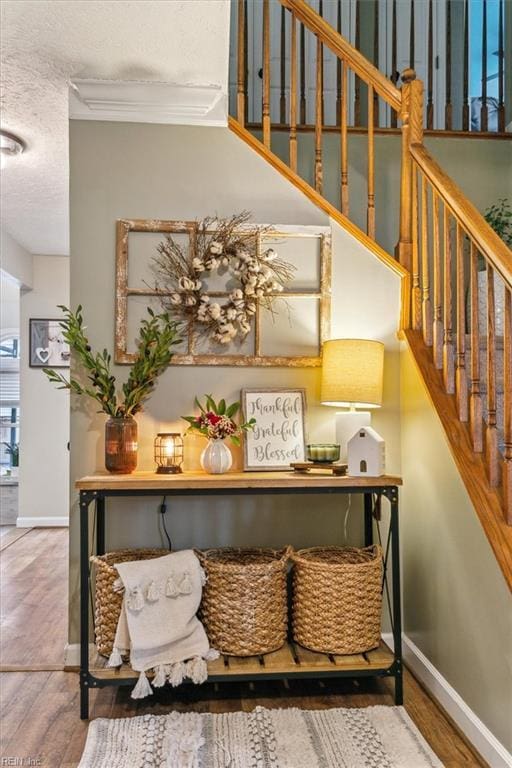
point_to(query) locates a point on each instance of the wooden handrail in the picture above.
(488, 243)
(342, 48)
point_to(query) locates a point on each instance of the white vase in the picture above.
(216, 457)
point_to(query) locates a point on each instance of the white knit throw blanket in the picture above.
(158, 623)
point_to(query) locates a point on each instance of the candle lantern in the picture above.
(168, 452)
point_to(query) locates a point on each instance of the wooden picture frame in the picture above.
(47, 347)
(279, 437)
(321, 294)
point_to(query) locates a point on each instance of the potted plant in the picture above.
(499, 217)
(216, 422)
(13, 451)
(157, 334)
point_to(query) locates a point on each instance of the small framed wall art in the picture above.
(47, 346)
(279, 436)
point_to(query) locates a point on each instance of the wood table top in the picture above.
(140, 481)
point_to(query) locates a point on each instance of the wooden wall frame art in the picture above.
(191, 355)
(279, 436)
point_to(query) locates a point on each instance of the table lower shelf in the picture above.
(292, 660)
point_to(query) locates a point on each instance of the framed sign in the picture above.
(279, 436)
(47, 347)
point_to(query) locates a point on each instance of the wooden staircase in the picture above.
(448, 315)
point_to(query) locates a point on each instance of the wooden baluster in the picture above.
(475, 397)
(321, 52)
(448, 104)
(266, 74)
(344, 147)
(461, 381)
(282, 69)
(501, 76)
(426, 307)
(293, 95)
(484, 113)
(437, 329)
(302, 69)
(416, 290)
(491, 431)
(357, 80)
(465, 75)
(370, 215)
(318, 117)
(448, 354)
(394, 60)
(375, 60)
(241, 65)
(411, 36)
(507, 404)
(412, 133)
(338, 68)
(246, 59)
(430, 69)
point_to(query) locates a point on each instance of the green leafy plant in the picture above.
(216, 420)
(499, 217)
(157, 335)
(13, 450)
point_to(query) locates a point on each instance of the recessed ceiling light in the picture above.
(10, 145)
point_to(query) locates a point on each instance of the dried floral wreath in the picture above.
(226, 247)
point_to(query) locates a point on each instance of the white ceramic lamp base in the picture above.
(347, 424)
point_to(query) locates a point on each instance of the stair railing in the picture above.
(444, 242)
(461, 303)
(351, 64)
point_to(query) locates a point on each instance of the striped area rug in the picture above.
(373, 737)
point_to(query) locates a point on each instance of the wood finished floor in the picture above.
(40, 708)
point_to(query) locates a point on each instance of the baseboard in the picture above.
(42, 522)
(484, 742)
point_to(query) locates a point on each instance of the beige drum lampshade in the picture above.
(352, 372)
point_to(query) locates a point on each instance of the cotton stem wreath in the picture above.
(228, 247)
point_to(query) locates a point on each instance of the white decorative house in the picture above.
(366, 454)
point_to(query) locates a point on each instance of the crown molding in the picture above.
(147, 102)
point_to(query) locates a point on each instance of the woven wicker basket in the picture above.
(107, 603)
(337, 598)
(244, 605)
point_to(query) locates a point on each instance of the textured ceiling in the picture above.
(45, 44)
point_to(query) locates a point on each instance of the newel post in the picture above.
(411, 116)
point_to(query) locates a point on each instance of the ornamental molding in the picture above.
(147, 102)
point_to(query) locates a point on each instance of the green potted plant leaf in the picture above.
(157, 335)
(13, 451)
(499, 217)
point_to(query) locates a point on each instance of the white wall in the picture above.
(15, 260)
(44, 429)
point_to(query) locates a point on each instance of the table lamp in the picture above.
(352, 371)
(168, 450)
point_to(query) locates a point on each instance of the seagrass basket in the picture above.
(107, 602)
(244, 604)
(337, 598)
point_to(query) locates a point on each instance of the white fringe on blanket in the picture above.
(158, 625)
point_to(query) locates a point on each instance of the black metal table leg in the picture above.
(85, 500)
(100, 525)
(368, 520)
(397, 610)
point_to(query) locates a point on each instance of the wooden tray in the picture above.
(332, 467)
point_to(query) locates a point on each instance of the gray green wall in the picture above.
(481, 167)
(457, 606)
(121, 170)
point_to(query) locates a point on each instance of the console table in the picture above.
(292, 660)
